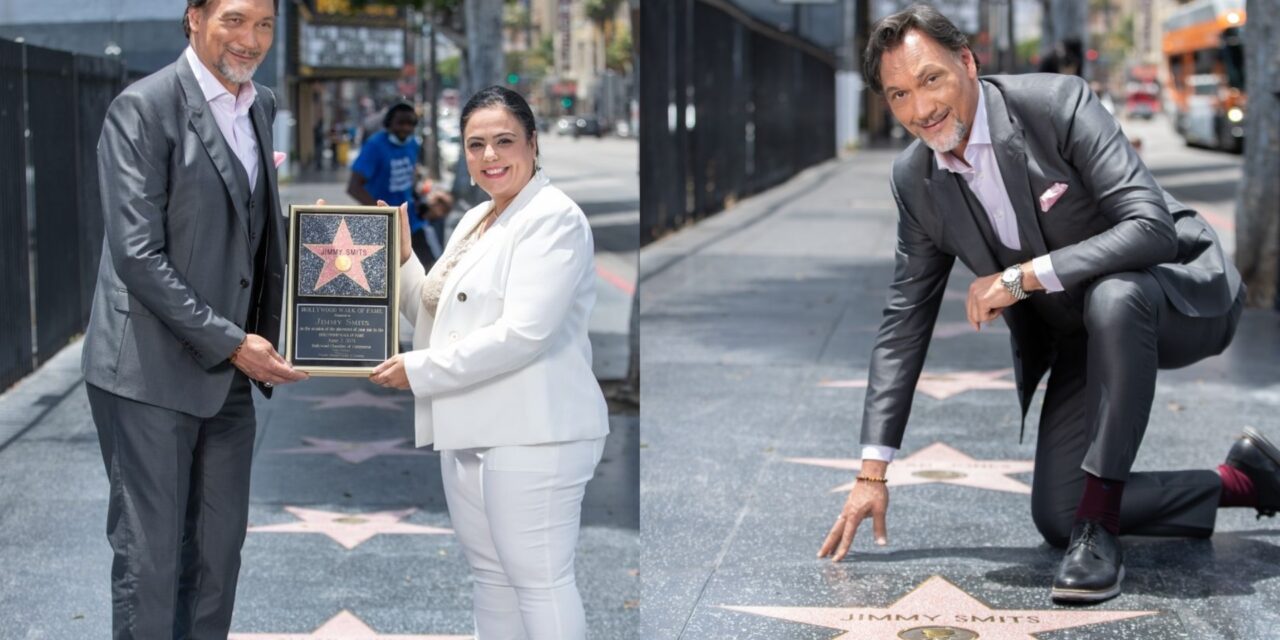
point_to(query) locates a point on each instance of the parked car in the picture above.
(587, 126)
(1142, 100)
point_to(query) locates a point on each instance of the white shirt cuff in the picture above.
(878, 452)
(1043, 266)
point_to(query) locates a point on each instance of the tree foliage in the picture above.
(620, 55)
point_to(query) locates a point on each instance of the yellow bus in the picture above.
(1204, 50)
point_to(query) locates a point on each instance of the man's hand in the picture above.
(987, 300)
(391, 374)
(988, 297)
(865, 499)
(406, 241)
(259, 360)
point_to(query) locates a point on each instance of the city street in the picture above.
(349, 535)
(758, 325)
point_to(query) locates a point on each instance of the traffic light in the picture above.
(567, 102)
(513, 78)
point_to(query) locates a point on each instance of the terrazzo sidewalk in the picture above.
(757, 327)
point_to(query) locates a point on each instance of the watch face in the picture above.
(1010, 276)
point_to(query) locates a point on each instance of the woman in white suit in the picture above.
(501, 372)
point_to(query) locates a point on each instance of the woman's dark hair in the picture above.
(890, 31)
(199, 4)
(393, 110)
(498, 96)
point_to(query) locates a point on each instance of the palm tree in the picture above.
(601, 12)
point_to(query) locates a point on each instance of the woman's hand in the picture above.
(391, 374)
(406, 241)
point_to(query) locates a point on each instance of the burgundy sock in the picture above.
(1237, 488)
(1101, 502)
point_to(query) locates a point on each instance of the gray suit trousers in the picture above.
(178, 512)
(1098, 402)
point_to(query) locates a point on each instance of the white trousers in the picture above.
(516, 512)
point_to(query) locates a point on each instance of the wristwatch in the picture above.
(1012, 281)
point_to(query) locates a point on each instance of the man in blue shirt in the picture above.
(386, 170)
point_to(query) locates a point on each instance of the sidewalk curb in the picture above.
(666, 252)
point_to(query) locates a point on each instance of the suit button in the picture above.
(244, 284)
(462, 297)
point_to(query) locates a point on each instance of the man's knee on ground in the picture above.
(1053, 524)
(1117, 299)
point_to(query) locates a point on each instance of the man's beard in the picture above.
(234, 73)
(946, 144)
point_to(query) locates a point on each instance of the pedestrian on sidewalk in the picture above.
(501, 371)
(1101, 276)
(386, 171)
(185, 315)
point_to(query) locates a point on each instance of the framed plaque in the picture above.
(342, 305)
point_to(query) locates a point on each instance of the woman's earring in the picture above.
(473, 181)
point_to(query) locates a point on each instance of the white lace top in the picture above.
(434, 284)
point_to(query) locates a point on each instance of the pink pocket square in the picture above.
(279, 158)
(1051, 196)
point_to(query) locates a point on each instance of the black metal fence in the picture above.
(729, 107)
(52, 104)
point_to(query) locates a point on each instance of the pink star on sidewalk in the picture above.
(944, 330)
(939, 609)
(942, 385)
(350, 529)
(344, 626)
(939, 463)
(357, 451)
(357, 398)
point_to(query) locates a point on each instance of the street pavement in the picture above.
(758, 325)
(349, 533)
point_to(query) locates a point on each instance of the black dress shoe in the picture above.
(1260, 460)
(1093, 567)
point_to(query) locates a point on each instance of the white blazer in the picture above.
(506, 360)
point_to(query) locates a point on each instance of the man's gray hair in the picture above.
(891, 30)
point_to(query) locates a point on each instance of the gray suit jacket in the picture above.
(1045, 129)
(177, 279)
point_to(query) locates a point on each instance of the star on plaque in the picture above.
(357, 398)
(344, 626)
(943, 385)
(343, 257)
(356, 452)
(942, 464)
(939, 609)
(350, 529)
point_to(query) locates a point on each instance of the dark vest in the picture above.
(1061, 311)
(257, 204)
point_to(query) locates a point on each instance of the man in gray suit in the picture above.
(186, 314)
(1101, 276)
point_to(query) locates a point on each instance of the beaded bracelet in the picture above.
(870, 479)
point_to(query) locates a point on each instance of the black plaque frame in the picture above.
(305, 353)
